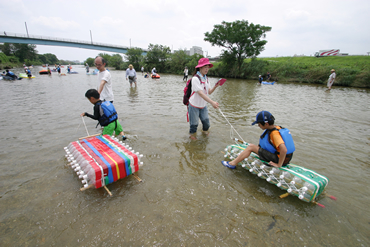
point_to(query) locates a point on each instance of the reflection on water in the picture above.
(187, 197)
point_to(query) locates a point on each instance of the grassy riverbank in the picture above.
(352, 71)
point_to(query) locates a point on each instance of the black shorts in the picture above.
(268, 156)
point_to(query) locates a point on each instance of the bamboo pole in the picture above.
(88, 136)
(135, 176)
(88, 187)
(105, 187)
(284, 195)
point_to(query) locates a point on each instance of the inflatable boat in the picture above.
(72, 72)
(304, 183)
(268, 83)
(100, 160)
(43, 72)
(156, 76)
(24, 75)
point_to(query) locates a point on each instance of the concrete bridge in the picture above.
(6, 37)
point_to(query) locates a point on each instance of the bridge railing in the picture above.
(25, 36)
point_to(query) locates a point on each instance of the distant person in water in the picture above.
(131, 75)
(260, 79)
(186, 73)
(105, 88)
(154, 71)
(87, 68)
(268, 76)
(331, 79)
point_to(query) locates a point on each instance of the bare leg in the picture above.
(245, 154)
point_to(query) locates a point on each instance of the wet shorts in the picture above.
(112, 127)
(268, 156)
(131, 79)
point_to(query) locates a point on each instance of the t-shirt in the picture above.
(276, 139)
(332, 76)
(107, 92)
(130, 72)
(196, 85)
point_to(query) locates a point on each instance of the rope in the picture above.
(232, 128)
(85, 126)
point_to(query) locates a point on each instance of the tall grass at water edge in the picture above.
(351, 71)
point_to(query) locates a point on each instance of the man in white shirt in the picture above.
(104, 80)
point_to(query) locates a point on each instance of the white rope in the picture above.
(85, 126)
(232, 128)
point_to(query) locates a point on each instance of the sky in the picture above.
(298, 27)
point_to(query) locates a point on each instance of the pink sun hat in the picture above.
(203, 62)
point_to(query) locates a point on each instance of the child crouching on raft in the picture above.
(105, 113)
(276, 145)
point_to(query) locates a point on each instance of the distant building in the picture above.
(192, 51)
(196, 50)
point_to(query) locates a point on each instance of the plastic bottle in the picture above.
(286, 176)
(308, 188)
(297, 182)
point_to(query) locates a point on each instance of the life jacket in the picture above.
(187, 91)
(265, 140)
(108, 113)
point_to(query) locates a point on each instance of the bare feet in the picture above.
(193, 137)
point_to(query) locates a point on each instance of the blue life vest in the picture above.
(108, 113)
(266, 144)
(11, 73)
(28, 72)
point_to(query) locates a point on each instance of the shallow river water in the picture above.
(186, 197)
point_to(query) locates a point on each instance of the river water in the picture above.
(186, 197)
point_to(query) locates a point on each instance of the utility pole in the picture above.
(130, 43)
(91, 37)
(25, 23)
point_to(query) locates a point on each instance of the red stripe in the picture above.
(104, 151)
(125, 150)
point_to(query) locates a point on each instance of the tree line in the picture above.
(239, 40)
(15, 55)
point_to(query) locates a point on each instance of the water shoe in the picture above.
(226, 163)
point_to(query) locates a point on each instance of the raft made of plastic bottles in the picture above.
(101, 160)
(304, 183)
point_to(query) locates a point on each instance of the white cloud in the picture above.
(297, 27)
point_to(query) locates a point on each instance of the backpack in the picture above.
(187, 91)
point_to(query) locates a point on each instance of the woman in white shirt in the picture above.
(199, 98)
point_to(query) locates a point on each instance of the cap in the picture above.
(333, 70)
(263, 117)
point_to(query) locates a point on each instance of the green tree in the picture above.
(7, 49)
(90, 61)
(157, 57)
(21, 51)
(116, 61)
(134, 56)
(240, 40)
(25, 51)
(178, 61)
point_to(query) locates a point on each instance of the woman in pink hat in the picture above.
(201, 88)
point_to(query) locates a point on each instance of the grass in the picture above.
(351, 71)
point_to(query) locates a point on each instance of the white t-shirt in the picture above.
(186, 71)
(195, 99)
(107, 92)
